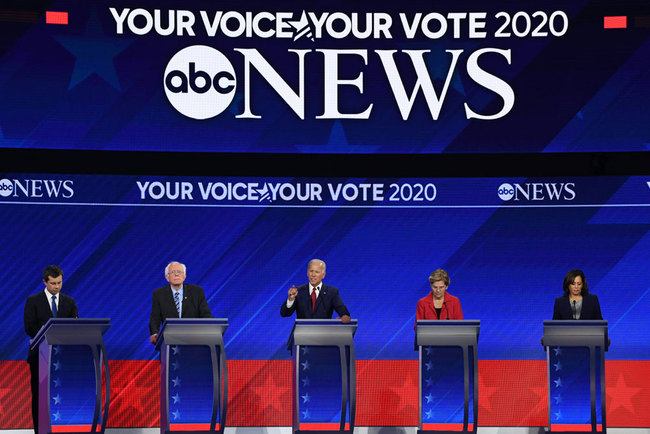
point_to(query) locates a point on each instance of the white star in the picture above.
(177, 414)
(427, 350)
(558, 399)
(429, 414)
(558, 415)
(176, 381)
(305, 349)
(557, 350)
(57, 350)
(57, 415)
(429, 365)
(175, 349)
(306, 414)
(558, 382)
(175, 365)
(558, 366)
(305, 365)
(57, 382)
(429, 398)
(305, 381)
(57, 399)
(57, 365)
(176, 398)
(306, 398)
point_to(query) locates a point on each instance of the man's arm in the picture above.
(204, 308)
(340, 308)
(155, 318)
(30, 318)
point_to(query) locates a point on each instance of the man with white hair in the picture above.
(315, 299)
(176, 300)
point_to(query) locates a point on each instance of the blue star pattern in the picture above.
(72, 385)
(443, 386)
(569, 394)
(318, 383)
(190, 384)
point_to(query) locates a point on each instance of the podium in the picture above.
(73, 367)
(448, 366)
(193, 375)
(575, 355)
(323, 359)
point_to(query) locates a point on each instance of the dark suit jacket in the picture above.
(327, 302)
(38, 312)
(590, 308)
(163, 306)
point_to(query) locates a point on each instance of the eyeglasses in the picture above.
(179, 272)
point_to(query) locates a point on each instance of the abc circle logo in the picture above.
(200, 82)
(6, 187)
(506, 191)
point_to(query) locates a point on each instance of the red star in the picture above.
(621, 395)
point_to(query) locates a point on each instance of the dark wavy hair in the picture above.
(51, 271)
(570, 277)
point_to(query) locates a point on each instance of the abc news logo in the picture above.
(192, 90)
(537, 191)
(34, 188)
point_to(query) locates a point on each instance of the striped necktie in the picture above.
(177, 300)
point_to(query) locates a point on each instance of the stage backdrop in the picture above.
(507, 244)
(334, 77)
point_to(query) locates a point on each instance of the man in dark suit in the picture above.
(315, 299)
(176, 300)
(39, 308)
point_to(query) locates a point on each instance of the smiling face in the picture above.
(316, 273)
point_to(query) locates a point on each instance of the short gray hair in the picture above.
(175, 263)
(316, 261)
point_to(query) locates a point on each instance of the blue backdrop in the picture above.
(507, 254)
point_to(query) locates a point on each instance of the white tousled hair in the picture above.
(175, 263)
(316, 261)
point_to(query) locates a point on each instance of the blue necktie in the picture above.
(177, 299)
(54, 310)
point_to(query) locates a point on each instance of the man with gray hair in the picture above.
(176, 300)
(315, 299)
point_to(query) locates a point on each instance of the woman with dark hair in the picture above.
(576, 303)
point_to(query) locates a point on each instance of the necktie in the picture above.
(177, 300)
(54, 309)
(313, 299)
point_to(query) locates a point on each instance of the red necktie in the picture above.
(313, 299)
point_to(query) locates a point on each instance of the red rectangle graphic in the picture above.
(52, 17)
(617, 22)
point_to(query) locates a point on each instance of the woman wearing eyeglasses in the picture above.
(439, 304)
(576, 303)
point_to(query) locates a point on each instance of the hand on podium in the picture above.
(153, 338)
(345, 319)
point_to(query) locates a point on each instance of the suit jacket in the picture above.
(163, 306)
(590, 308)
(327, 302)
(450, 308)
(38, 312)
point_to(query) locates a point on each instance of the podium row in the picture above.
(194, 377)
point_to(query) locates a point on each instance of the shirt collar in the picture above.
(49, 296)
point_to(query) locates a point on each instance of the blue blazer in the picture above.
(590, 308)
(327, 302)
